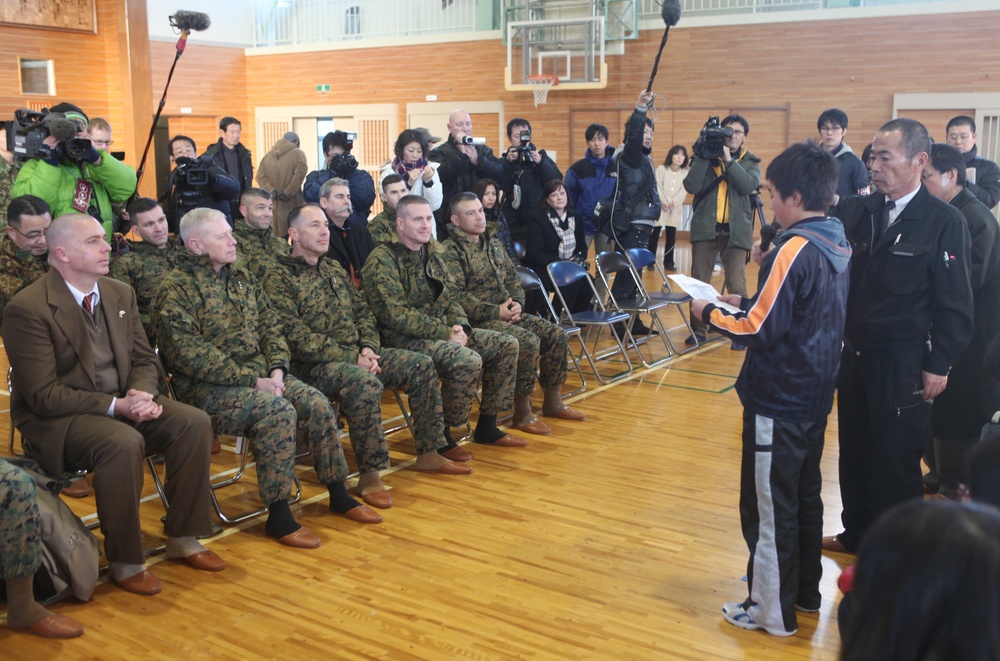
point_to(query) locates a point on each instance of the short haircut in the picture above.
(336, 139)
(596, 129)
(409, 201)
(324, 190)
(61, 228)
(866, 154)
(183, 138)
(405, 138)
(945, 157)
(295, 215)
(915, 138)
(192, 222)
(810, 170)
(458, 198)
(733, 118)
(961, 120)
(389, 180)
(982, 471)
(26, 205)
(517, 121)
(100, 124)
(551, 187)
(141, 205)
(677, 149)
(479, 187)
(254, 192)
(226, 122)
(834, 116)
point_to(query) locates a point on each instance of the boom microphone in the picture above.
(767, 234)
(61, 129)
(186, 22)
(670, 11)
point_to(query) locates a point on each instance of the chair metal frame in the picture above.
(565, 273)
(643, 257)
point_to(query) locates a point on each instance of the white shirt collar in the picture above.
(79, 295)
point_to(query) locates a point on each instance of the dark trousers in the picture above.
(670, 234)
(623, 288)
(781, 513)
(884, 426)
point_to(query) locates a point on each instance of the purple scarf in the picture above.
(403, 169)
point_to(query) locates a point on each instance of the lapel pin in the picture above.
(121, 314)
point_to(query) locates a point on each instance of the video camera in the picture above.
(27, 133)
(344, 164)
(469, 140)
(711, 140)
(524, 151)
(191, 172)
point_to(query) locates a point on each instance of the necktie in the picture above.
(884, 219)
(88, 303)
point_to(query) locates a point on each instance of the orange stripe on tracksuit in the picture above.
(757, 315)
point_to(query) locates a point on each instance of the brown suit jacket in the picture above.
(53, 360)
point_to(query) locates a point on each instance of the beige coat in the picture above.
(282, 171)
(670, 186)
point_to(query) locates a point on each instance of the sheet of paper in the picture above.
(697, 289)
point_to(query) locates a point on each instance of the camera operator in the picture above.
(341, 164)
(463, 159)
(195, 182)
(74, 176)
(723, 178)
(234, 159)
(527, 170)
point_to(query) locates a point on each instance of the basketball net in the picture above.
(540, 86)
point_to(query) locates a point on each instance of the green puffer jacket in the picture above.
(482, 272)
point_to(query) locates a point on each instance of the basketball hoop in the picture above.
(540, 86)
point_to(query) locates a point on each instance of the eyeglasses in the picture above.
(102, 143)
(739, 132)
(30, 236)
(831, 129)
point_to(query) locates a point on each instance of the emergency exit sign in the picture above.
(322, 88)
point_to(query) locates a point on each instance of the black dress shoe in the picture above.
(640, 328)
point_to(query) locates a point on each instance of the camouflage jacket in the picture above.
(216, 327)
(326, 319)
(8, 173)
(382, 226)
(258, 248)
(145, 267)
(483, 274)
(409, 292)
(18, 269)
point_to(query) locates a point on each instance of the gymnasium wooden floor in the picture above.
(617, 538)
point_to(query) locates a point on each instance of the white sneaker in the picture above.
(736, 614)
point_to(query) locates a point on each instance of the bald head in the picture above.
(459, 124)
(65, 229)
(78, 249)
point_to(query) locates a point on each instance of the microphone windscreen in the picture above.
(767, 234)
(190, 21)
(62, 129)
(671, 12)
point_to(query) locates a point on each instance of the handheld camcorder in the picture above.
(711, 140)
(469, 140)
(27, 133)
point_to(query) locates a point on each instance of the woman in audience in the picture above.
(555, 234)
(21, 557)
(488, 193)
(670, 185)
(927, 585)
(411, 164)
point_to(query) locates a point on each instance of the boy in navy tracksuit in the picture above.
(793, 327)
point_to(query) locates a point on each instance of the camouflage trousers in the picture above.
(491, 355)
(272, 421)
(360, 395)
(542, 349)
(20, 538)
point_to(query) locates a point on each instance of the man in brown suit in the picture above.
(85, 397)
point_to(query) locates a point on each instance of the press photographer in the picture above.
(526, 171)
(195, 182)
(62, 166)
(341, 164)
(722, 178)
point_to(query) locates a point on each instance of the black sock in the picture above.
(340, 500)
(280, 521)
(447, 437)
(486, 429)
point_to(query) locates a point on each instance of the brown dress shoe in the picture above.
(379, 498)
(363, 514)
(205, 561)
(77, 489)
(57, 626)
(567, 414)
(301, 539)
(457, 453)
(451, 468)
(536, 426)
(144, 583)
(216, 445)
(833, 545)
(510, 441)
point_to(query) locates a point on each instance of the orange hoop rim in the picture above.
(542, 78)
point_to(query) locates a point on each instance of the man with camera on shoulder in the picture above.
(527, 171)
(341, 164)
(723, 178)
(66, 170)
(195, 182)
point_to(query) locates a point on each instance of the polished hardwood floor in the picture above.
(616, 538)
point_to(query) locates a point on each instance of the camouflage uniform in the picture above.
(8, 173)
(18, 269)
(20, 537)
(144, 268)
(327, 323)
(383, 225)
(409, 292)
(218, 335)
(485, 277)
(258, 248)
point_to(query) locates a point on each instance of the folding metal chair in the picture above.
(641, 258)
(531, 282)
(618, 265)
(564, 274)
(407, 422)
